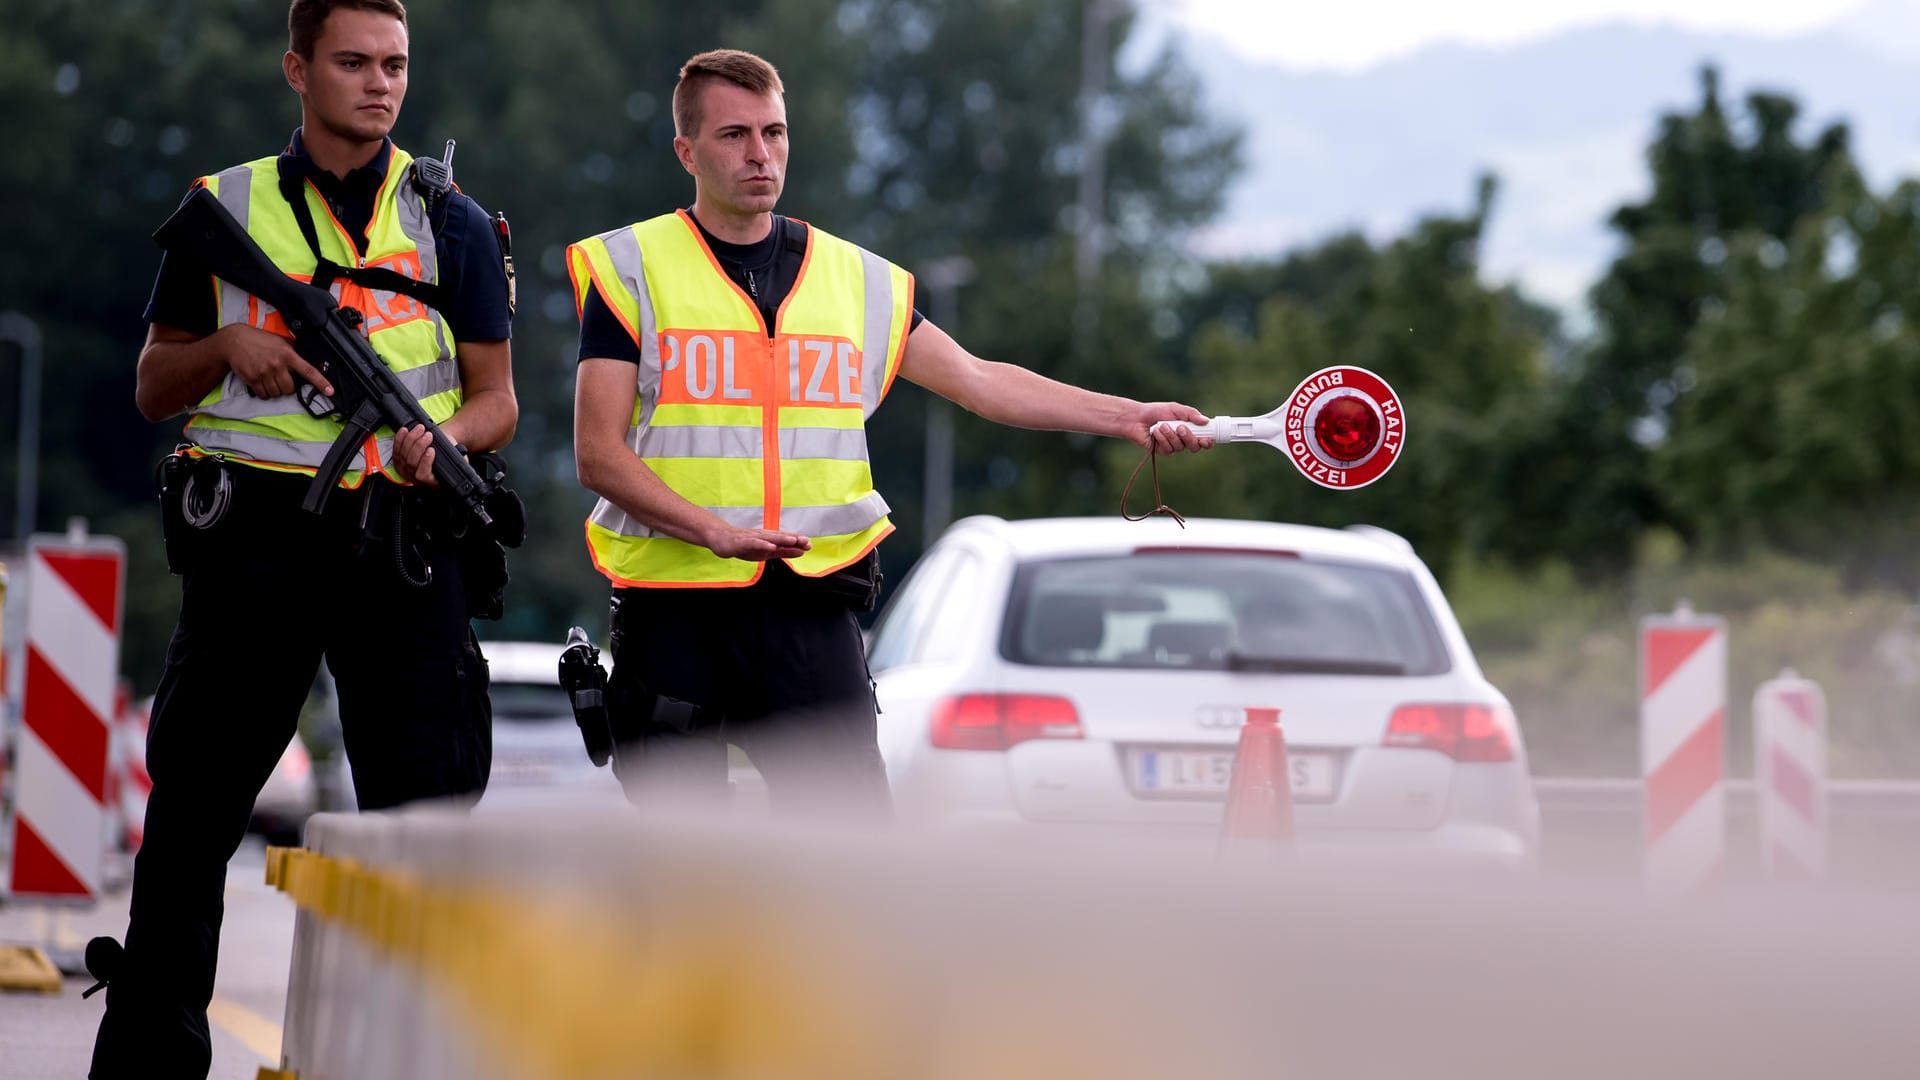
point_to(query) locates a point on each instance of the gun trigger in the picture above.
(318, 405)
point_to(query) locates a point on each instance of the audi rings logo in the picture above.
(1344, 427)
(1219, 717)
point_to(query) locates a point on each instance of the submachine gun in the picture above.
(366, 394)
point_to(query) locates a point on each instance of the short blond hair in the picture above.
(742, 69)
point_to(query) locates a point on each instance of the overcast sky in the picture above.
(1354, 34)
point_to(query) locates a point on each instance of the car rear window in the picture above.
(1221, 611)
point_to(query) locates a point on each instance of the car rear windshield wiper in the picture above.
(1309, 665)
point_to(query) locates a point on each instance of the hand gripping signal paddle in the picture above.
(1342, 427)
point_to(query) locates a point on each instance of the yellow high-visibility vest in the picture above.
(278, 433)
(763, 430)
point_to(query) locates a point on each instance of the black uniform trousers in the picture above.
(270, 590)
(777, 668)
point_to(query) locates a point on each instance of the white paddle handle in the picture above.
(1205, 430)
(1266, 429)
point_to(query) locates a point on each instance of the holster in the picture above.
(483, 574)
(483, 555)
(585, 682)
(858, 585)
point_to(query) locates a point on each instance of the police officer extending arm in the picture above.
(729, 359)
(376, 584)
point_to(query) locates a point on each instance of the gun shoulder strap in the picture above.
(432, 294)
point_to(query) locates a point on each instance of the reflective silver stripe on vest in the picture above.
(700, 442)
(436, 378)
(414, 222)
(611, 517)
(419, 229)
(440, 332)
(837, 520)
(238, 403)
(279, 451)
(623, 251)
(235, 194)
(874, 351)
(840, 444)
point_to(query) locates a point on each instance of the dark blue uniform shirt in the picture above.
(469, 256)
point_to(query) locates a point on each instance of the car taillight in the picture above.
(997, 721)
(1462, 732)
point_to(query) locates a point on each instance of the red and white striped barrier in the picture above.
(72, 661)
(1790, 773)
(1683, 709)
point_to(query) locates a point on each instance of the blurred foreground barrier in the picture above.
(1593, 827)
(1790, 767)
(583, 946)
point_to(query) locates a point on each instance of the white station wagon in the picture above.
(1093, 674)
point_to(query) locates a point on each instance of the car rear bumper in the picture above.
(1464, 844)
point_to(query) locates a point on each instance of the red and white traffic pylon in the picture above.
(1683, 708)
(1790, 776)
(72, 660)
(1259, 814)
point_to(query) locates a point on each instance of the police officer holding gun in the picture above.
(382, 582)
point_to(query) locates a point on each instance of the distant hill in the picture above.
(1563, 121)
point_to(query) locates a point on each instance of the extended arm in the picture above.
(1013, 395)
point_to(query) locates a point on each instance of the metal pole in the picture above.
(24, 332)
(943, 278)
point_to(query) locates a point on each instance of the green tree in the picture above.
(1715, 179)
(1799, 425)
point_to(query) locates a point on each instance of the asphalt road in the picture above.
(51, 1036)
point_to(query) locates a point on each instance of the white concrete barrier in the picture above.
(581, 945)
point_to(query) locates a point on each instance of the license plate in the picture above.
(512, 768)
(1206, 774)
